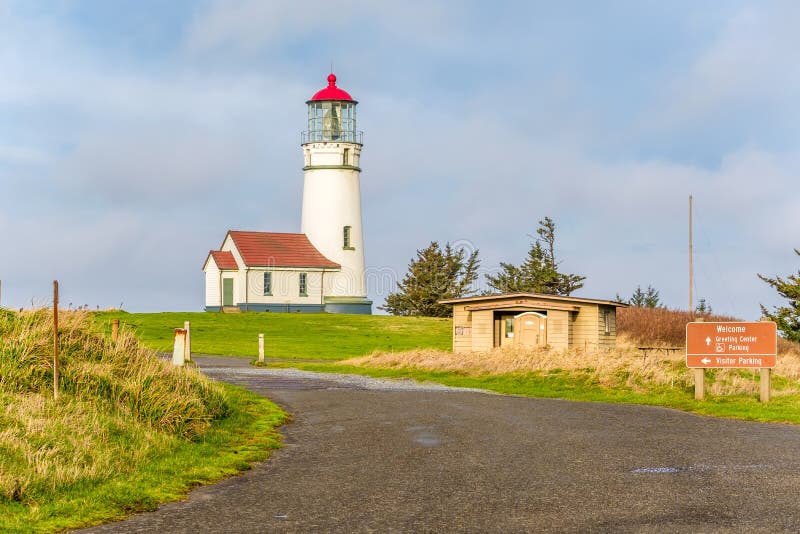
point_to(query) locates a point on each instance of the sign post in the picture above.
(733, 345)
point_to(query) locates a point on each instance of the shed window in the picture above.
(303, 284)
(509, 327)
(268, 283)
(607, 322)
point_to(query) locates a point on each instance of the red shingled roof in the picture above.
(224, 260)
(267, 249)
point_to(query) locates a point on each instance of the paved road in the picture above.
(370, 456)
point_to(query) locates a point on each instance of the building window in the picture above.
(347, 242)
(509, 327)
(303, 284)
(346, 157)
(607, 322)
(267, 283)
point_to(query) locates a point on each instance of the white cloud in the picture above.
(250, 26)
(26, 155)
(750, 63)
(107, 145)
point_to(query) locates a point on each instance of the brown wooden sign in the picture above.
(732, 345)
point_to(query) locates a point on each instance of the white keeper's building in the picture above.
(320, 269)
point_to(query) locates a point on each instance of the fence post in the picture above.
(188, 353)
(261, 348)
(179, 348)
(55, 339)
(114, 330)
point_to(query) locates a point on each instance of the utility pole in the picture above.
(691, 266)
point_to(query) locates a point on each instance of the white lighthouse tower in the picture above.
(332, 196)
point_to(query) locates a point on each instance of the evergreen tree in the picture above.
(539, 272)
(786, 317)
(648, 298)
(434, 275)
(703, 308)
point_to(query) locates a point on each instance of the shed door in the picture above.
(531, 329)
(227, 291)
(506, 330)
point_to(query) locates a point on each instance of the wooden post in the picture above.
(765, 384)
(179, 347)
(188, 353)
(699, 383)
(114, 330)
(55, 339)
(260, 348)
(699, 374)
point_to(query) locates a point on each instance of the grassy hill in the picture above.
(127, 431)
(291, 336)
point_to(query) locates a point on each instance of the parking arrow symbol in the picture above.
(705, 361)
(708, 342)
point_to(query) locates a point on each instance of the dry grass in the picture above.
(658, 326)
(118, 404)
(624, 366)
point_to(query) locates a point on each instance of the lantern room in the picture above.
(332, 116)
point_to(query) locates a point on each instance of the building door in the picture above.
(506, 330)
(530, 329)
(227, 291)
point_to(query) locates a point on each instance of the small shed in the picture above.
(532, 320)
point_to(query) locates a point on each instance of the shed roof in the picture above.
(271, 249)
(538, 296)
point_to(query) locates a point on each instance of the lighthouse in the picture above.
(331, 217)
(320, 269)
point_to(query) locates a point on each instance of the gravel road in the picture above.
(365, 455)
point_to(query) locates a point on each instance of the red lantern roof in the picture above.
(332, 92)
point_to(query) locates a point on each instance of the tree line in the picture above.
(439, 273)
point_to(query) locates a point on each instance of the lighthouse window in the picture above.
(267, 283)
(346, 157)
(303, 284)
(347, 243)
(331, 121)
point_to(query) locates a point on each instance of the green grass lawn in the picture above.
(292, 336)
(337, 337)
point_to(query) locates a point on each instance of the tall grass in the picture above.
(118, 404)
(625, 366)
(658, 326)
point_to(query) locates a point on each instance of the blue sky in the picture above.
(134, 134)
